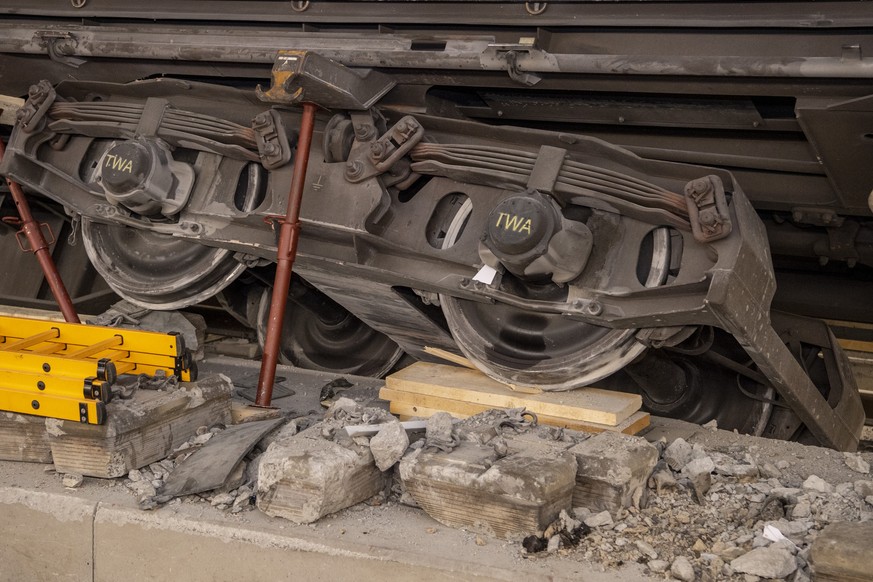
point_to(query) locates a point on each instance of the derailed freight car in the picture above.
(565, 192)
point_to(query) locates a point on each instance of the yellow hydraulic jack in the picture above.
(66, 370)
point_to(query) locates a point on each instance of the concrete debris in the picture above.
(141, 430)
(388, 445)
(611, 470)
(73, 480)
(602, 519)
(863, 489)
(816, 483)
(658, 566)
(678, 454)
(681, 569)
(439, 433)
(564, 532)
(646, 549)
(772, 562)
(856, 463)
(305, 476)
(842, 552)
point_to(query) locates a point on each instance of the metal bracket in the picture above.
(370, 157)
(509, 55)
(271, 137)
(707, 209)
(307, 77)
(59, 46)
(39, 98)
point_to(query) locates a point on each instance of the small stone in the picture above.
(222, 500)
(135, 475)
(711, 425)
(856, 463)
(554, 544)
(581, 513)
(699, 547)
(647, 550)
(769, 471)
(658, 566)
(599, 519)
(802, 509)
(73, 480)
(480, 541)
(678, 454)
(782, 464)
(816, 483)
(388, 445)
(745, 473)
(750, 578)
(142, 489)
(864, 488)
(243, 499)
(682, 569)
(438, 431)
(699, 472)
(201, 439)
(766, 562)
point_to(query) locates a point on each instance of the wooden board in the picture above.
(632, 425)
(590, 405)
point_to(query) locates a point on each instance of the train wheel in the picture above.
(328, 339)
(550, 351)
(155, 270)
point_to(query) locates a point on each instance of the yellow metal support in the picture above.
(66, 370)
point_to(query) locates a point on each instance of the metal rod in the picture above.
(40, 247)
(289, 232)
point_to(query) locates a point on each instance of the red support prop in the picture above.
(288, 234)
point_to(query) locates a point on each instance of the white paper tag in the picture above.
(486, 275)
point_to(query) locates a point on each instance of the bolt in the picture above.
(46, 367)
(261, 119)
(797, 215)
(354, 169)
(823, 261)
(377, 150)
(363, 132)
(827, 218)
(270, 149)
(40, 385)
(35, 405)
(594, 308)
(698, 188)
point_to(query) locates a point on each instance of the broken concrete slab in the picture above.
(210, 466)
(141, 430)
(612, 470)
(515, 494)
(842, 552)
(305, 476)
(23, 437)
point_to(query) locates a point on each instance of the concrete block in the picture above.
(504, 496)
(611, 469)
(141, 430)
(45, 536)
(23, 438)
(842, 552)
(305, 476)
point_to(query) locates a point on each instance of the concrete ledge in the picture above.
(97, 533)
(45, 536)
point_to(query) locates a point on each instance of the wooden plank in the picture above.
(9, 106)
(585, 405)
(449, 357)
(632, 425)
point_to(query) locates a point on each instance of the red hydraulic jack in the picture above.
(289, 232)
(303, 77)
(38, 245)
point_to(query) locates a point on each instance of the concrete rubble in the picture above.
(697, 505)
